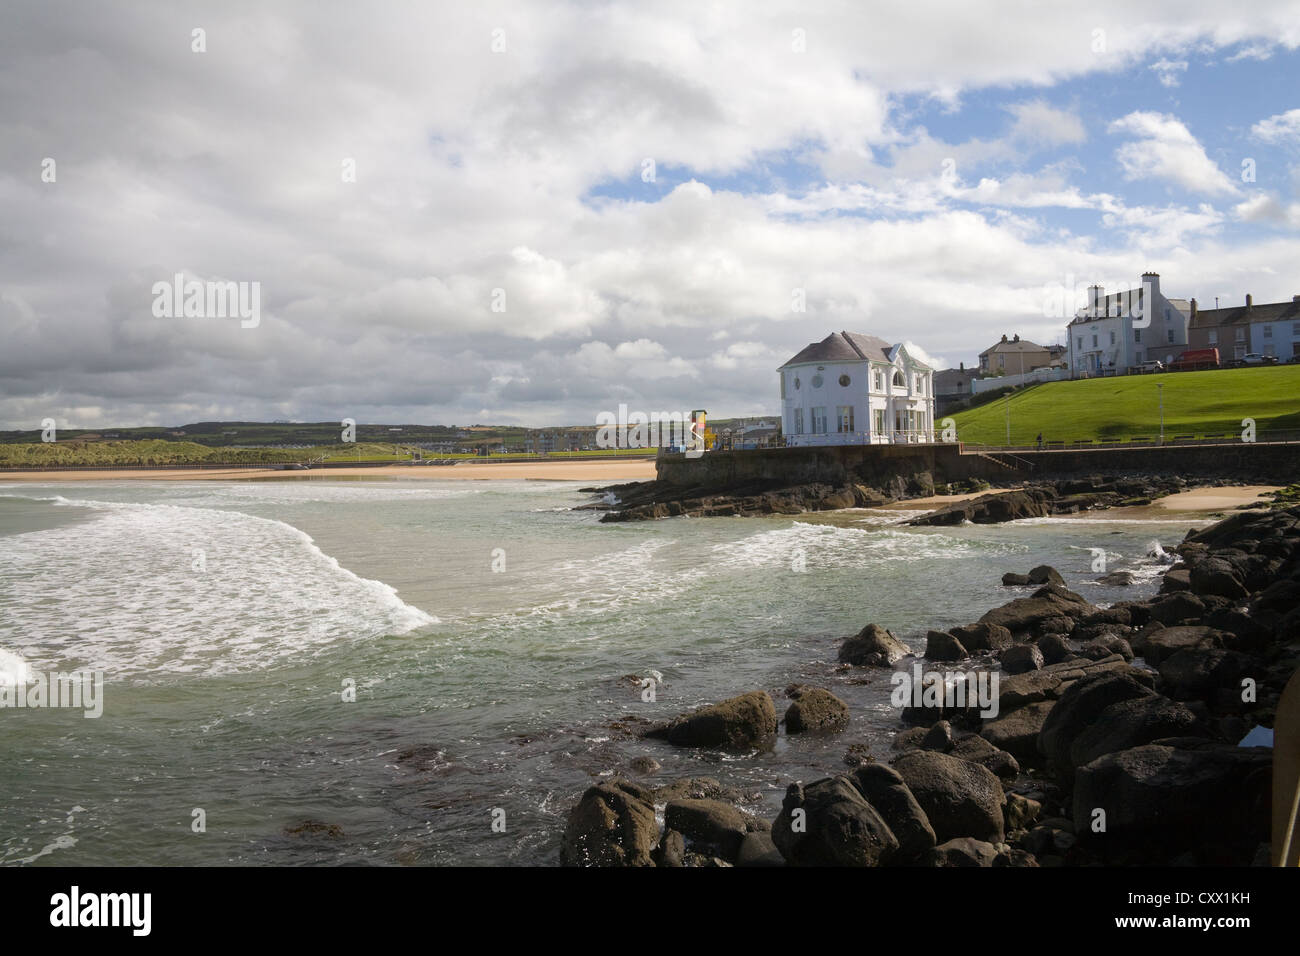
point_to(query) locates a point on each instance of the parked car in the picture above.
(1151, 366)
(1256, 358)
(1194, 359)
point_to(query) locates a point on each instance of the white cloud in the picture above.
(1279, 128)
(1166, 150)
(1169, 72)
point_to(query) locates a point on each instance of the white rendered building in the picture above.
(854, 389)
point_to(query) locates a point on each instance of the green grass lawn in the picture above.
(1124, 407)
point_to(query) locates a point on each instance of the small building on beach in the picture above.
(856, 389)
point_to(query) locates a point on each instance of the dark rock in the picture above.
(1020, 658)
(939, 737)
(991, 509)
(1056, 625)
(1050, 682)
(1132, 723)
(671, 850)
(838, 827)
(884, 788)
(963, 851)
(976, 749)
(645, 765)
(1046, 574)
(757, 849)
(982, 637)
(315, 828)
(712, 826)
(910, 739)
(942, 646)
(815, 709)
(1050, 601)
(873, 646)
(1177, 607)
(1161, 800)
(1080, 706)
(1117, 579)
(612, 825)
(1055, 648)
(1176, 579)
(1166, 642)
(696, 788)
(959, 798)
(1194, 673)
(1017, 732)
(1013, 580)
(1216, 576)
(1106, 645)
(737, 723)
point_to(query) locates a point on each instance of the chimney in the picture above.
(961, 366)
(1017, 338)
(1004, 336)
(1248, 300)
(1194, 307)
(1096, 291)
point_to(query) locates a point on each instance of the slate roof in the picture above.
(1240, 315)
(845, 347)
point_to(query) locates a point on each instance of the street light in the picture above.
(1160, 390)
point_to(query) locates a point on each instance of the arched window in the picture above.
(898, 379)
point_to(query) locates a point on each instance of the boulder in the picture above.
(886, 791)
(1013, 580)
(1021, 658)
(737, 723)
(976, 749)
(757, 849)
(1195, 673)
(1116, 579)
(1177, 607)
(1132, 723)
(838, 827)
(1163, 644)
(991, 509)
(873, 646)
(1050, 682)
(1046, 574)
(1105, 646)
(938, 737)
(1080, 706)
(612, 825)
(1050, 601)
(982, 637)
(815, 709)
(1161, 801)
(1017, 732)
(711, 826)
(1216, 576)
(963, 851)
(1055, 648)
(942, 646)
(671, 850)
(959, 798)
(1176, 579)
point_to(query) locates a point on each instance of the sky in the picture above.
(516, 213)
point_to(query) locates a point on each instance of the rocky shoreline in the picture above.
(650, 500)
(1118, 737)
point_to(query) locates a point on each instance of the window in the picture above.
(1002, 361)
(798, 421)
(1214, 337)
(898, 379)
(844, 419)
(879, 378)
(920, 384)
(796, 383)
(1169, 335)
(1112, 338)
(1295, 328)
(1137, 335)
(819, 420)
(1094, 340)
(1268, 331)
(817, 381)
(783, 385)
(880, 421)
(844, 381)
(1137, 357)
(1081, 341)
(1241, 335)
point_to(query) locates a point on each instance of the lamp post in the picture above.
(1160, 391)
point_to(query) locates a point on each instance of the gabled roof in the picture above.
(1013, 346)
(846, 347)
(1241, 315)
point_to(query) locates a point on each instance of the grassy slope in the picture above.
(1196, 403)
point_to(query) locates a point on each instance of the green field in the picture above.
(1127, 407)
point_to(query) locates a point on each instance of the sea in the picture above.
(397, 673)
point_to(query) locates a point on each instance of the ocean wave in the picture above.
(145, 589)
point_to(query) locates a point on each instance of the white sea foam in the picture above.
(128, 593)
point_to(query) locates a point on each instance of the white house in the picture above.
(854, 389)
(1116, 332)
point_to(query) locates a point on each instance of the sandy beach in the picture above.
(601, 472)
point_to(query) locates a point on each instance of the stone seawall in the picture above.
(878, 465)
